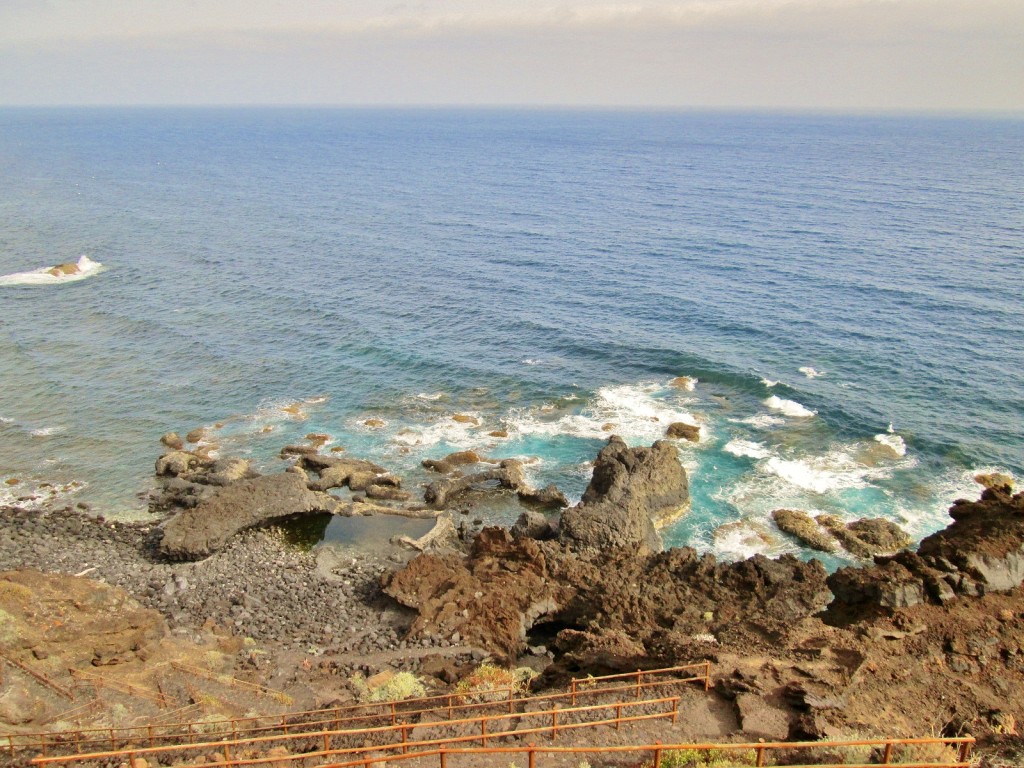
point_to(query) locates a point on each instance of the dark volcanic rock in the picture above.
(802, 526)
(549, 497)
(532, 525)
(506, 586)
(982, 550)
(866, 538)
(633, 491)
(508, 474)
(196, 533)
(452, 461)
(680, 430)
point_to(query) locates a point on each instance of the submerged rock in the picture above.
(632, 493)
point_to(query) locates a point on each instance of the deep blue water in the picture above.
(546, 272)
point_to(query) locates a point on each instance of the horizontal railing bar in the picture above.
(278, 721)
(168, 749)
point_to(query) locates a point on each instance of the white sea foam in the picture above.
(747, 448)
(33, 495)
(46, 431)
(445, 431)
(810, 372)
(789, 407)
(44, 276)
(634, 412)
(745, 538)
(893, 442)
(760, 421)
(685, 383)
(769, 383)
(814, 476)
(530, 361)
(432, 396)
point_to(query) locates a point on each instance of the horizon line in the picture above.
(949, 112)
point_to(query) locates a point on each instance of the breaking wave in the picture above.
(55, 275)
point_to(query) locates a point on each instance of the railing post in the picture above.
(405, 737)
(449, 706)
(10, 744)
(327, 742)
(483, 731)
(638, 686)
(760, 757)
(675, 710)
(657, 756)
(572, 688)
(131, 759)
(965, 751)
(444, 757)
(234, 729)
(707, 676)
(887, 755)
(394, 714)
(554, 723)
(618, 716)
(532, 756)
(227, 753)
(510, 690)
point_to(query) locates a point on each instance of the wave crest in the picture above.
(55, 275)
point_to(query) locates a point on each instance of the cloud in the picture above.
(831, 54)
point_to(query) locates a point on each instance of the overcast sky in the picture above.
(778, 54)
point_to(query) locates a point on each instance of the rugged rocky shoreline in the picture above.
(929, 639)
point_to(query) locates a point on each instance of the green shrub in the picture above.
(706, 758)
(403, 685)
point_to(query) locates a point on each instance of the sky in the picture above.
(830, 55)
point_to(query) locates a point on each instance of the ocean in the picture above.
(836, 301)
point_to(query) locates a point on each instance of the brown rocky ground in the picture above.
(917, 643)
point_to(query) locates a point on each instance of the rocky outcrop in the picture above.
(680, 430)
(867, 537)
(864, 538)
(548, 497)
(532, 525)
(452, 461)
(490, 599)
(196, 533)
(510, 586)
(508, 474)
(981, 551)
(802, 527)
(336, 472)
(632, 493)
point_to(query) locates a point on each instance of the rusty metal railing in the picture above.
(558, 723)
(163, 732)
(650, 755)
(961, 745)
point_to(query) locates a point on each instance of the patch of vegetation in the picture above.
(489, 677)
(403, 685)
(705, 758)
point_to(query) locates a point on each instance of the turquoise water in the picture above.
(281, 272)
